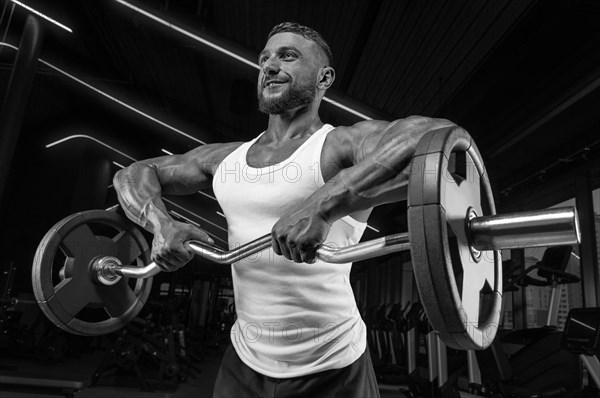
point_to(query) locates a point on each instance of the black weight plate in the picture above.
(460, 291)
(70, 298)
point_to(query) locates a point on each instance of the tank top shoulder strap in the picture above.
(319, 141)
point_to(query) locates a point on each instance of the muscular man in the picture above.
(298, 330)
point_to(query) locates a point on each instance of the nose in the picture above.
(271, 66)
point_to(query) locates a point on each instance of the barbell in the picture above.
(91, 273)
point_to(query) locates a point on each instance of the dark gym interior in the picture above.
(90, 86)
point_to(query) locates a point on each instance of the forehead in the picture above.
(289, 39)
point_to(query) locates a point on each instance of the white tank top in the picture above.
(292, 319)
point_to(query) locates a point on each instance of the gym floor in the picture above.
(83, 368)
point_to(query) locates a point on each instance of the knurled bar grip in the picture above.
(549, 227)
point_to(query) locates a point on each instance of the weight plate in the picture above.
(460, 288)
(62, 282)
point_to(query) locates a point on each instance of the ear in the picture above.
(326, 77)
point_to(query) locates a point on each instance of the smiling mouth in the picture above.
(273, 83)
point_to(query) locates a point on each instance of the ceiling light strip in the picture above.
(71, 137)
(372, 228)
(47, 18)
(207, 195)
(8, 21)
(224, 50)
(118, 101)
(176, 130)
(188, 34)
(346, 108)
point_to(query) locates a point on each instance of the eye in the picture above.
(288, 55)
(262, 60)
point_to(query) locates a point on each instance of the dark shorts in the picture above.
(236, 379)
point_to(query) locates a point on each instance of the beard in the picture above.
(292, 97)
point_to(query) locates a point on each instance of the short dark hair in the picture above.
(307, 33)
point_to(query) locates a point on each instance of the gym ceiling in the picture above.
(141, 78)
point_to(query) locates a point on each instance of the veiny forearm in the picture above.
(380, 177)
(139, 191)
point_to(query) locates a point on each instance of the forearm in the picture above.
(139, 192)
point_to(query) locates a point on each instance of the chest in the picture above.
(264, 155)
(331, 160)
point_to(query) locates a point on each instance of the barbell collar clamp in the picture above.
(105, 270)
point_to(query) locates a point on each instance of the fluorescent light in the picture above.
(118, 101)
(372, 228)
(576, 256)
(118, 165)
(70, 137)
(47, 18)
(207, 195)
(132, 108)
(221, 214)
(224, 50)
(346, 108)
(189, 34)
(165, 151)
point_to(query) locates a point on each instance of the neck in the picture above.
(294, 123)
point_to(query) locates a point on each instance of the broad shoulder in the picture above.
(362, 130)
(358, 130)
(347, 145)
(343, 141)
(341, 144)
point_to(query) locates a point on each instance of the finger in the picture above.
(275, 246)
(201, 236)
(296, 256)
(309, 255)
(178, 259)
(173, 257)
(294, 250)
(175, 253)
(161, 263)
(285, 252)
